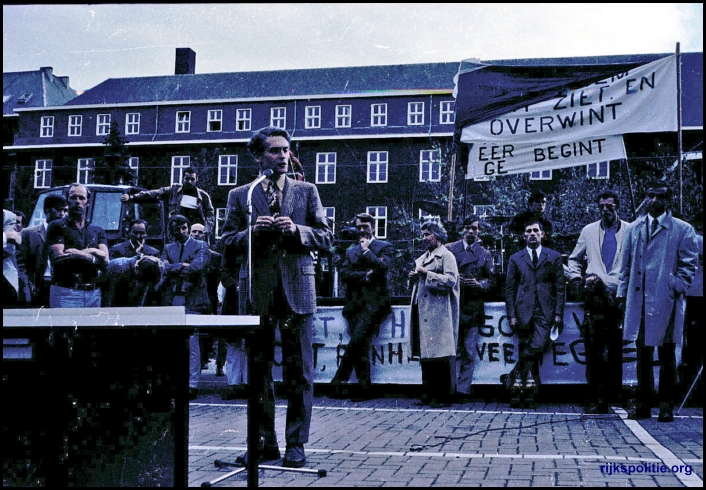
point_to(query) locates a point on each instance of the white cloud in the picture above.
(139, 40)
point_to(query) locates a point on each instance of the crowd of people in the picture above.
(632, 277)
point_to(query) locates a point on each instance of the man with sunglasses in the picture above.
(659, 261)
(599, 249)
(475, 268)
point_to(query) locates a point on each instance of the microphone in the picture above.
(263, 176)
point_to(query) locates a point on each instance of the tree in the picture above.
(115, 168)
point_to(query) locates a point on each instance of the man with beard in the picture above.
(78, 251)
(184, 199)
(289, 224)
(35, 253)
(535, 296)
(600, 243)
(659, 261)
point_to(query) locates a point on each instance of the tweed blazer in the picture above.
(277, 257)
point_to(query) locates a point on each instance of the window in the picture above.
(215, 121)
(446, 114)
(75, 125)
(220, 220)
(313, 117)
(331, 215)
(600, 170)
(183, 121)
(227, 169)
(132, 123)
(178, 166)
(242, 119)
(47, 127)
(134, 164)
(377, 166)
(326, 168)
(380, 215)
(84, 172)
(343, 116)
(415, 113)
(378, 115)
(541, 175)
(278, 117)
(42, 174)
(103, 124)
(430, 166)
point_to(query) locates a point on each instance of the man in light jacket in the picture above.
(658, 265)
(600, 244)
(435, 316)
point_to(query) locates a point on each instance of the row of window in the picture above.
(377, 171)
(243, 119)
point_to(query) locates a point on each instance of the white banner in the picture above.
(582, 126)
(494, 351)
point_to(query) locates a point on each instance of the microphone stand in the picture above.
(262, 177)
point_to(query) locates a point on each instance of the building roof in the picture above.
(272, 84)
(39, 88)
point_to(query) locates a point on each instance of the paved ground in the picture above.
(391, 442)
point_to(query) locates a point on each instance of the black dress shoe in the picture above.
(640, 413)
(294, 456)
(597, 409)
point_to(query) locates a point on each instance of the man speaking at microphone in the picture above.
(288, 223)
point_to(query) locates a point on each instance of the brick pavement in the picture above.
(390, 442)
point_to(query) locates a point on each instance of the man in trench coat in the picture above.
(658, 265)
(435, 316)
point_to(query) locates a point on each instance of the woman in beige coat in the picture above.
(435, 312)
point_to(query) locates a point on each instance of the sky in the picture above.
(91, 43)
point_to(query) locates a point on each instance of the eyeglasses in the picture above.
(471, 227)
(609, 207)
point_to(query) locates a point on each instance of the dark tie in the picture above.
(181, 253)
(655, 224)
(272, 197)
(534, 257)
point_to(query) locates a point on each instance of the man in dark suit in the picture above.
(364, 272)
(535, 296)
(136, 244)
(185, 285)
(475, 269)
(289, 223)
(35, 253)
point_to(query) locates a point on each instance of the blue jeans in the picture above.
(61, 297)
